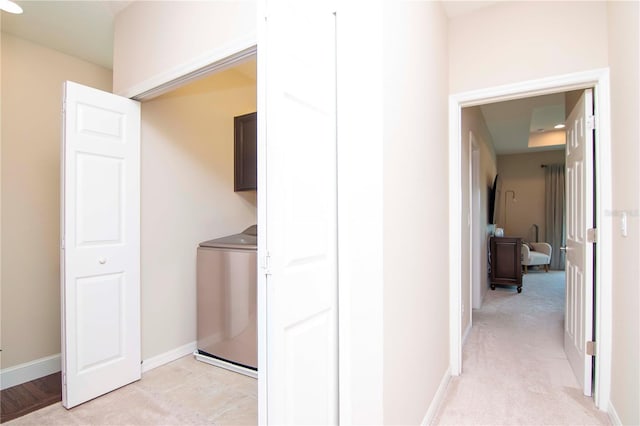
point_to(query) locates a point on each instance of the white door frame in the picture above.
(599, 80)
(475, 265)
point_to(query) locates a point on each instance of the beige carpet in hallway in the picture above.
(515, 371)
(183, 392)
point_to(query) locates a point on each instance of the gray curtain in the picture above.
(554, 207)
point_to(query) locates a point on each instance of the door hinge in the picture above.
(592, 235)
(266, 264)
(591, 348)
(591, 122)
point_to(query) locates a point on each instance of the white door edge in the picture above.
(599, 80)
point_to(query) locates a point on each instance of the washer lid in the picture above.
(247, 240)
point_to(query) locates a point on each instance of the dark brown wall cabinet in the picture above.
(506, 265)
(245, 152)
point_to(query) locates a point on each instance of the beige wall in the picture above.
(154, 39)
(187, 197)
(416, 293)
(32, 78)
(523, 40)
(624, 52)
(522, 173)
(473, 121)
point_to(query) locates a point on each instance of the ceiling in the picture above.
(85, 29)
(78, 28)
(511, 123)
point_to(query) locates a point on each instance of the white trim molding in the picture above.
(22, 373)
(166, 357)
(432, 412)
(613, 416)
(599, 80)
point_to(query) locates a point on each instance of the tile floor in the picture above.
(183, 392)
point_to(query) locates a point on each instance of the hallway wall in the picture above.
(415, 212)
(506, 42)
(473, 121)
(153, 40)
(624, 59)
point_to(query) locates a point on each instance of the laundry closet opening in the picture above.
(188, 196)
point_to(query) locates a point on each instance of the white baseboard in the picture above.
(32, 370)
(613, 415)
(28, 371)
(164, 358)
(437, 399)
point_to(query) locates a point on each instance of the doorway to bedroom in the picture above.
(516, 149)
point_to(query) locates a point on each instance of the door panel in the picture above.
(579, 253)
(301, 215)
(99, 199)
(100, 243)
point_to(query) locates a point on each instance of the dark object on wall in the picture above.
(494, 192)
(245, 152)
(506, 262)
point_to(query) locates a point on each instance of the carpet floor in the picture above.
(515, 370)
(183, 392)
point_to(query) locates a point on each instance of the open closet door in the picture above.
(100, 243)
(299, 257)
(578, 323)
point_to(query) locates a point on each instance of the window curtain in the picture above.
(554, 206)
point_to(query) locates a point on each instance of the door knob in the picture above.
(563, 248)
(102, 260)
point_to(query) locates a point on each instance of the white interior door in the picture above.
(579, 252)
(100, 257)
(299, 92)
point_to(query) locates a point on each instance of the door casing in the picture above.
(599, 80)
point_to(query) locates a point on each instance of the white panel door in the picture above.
(297, 50)
(579, 253)
(100, 257)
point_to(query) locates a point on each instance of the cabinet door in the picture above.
(245, 153)
(505, 260)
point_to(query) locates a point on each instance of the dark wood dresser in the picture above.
(506, 264)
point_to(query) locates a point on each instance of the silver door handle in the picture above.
(563, 248)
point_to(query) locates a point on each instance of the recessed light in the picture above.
(559, 126)
(9, 6)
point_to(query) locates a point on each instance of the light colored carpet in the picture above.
(183, 392)
(514, 367)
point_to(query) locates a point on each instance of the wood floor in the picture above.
(31, 396)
